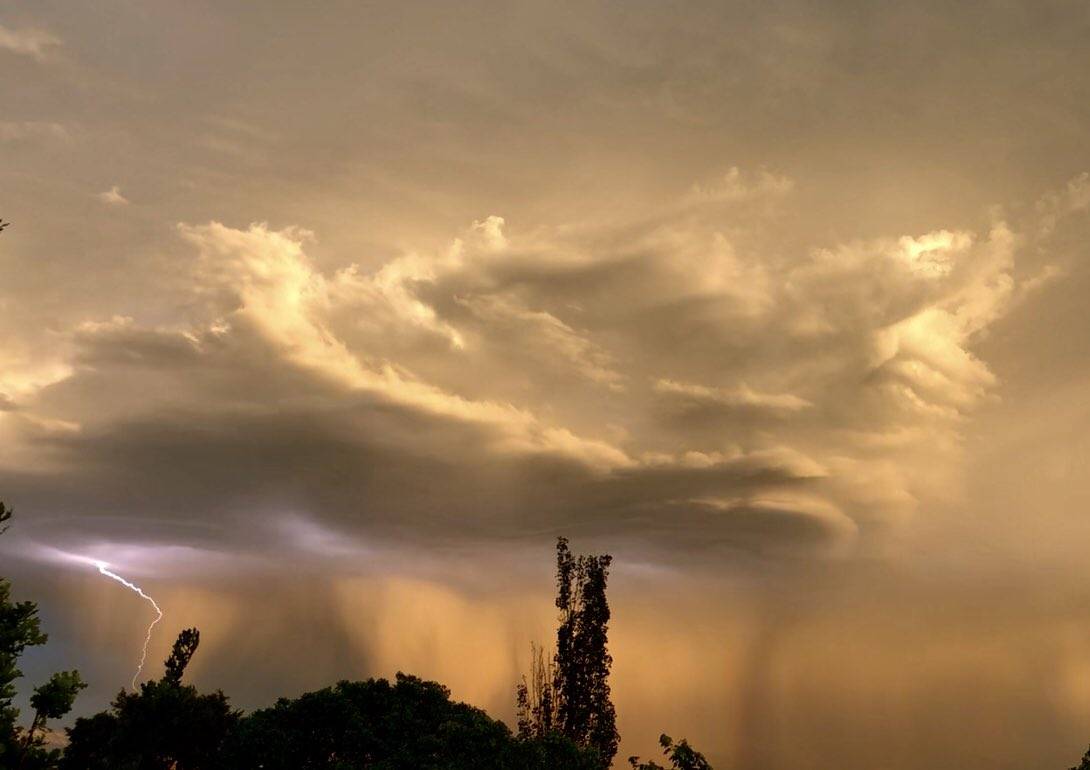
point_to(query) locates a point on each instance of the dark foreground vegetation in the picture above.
(566, 719)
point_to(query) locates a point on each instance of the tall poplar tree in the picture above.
(584, 711)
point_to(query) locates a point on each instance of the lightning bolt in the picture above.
(103, 569)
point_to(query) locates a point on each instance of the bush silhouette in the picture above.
(682, 756)
(167, 725)
(408, 725)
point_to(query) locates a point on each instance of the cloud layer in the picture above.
(27, 41)
(684, 379)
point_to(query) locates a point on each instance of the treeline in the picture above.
(566, 718)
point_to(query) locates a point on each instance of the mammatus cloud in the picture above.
(27, 41)
(686, 380)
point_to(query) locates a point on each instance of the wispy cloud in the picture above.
(15, 131)
(113, 197)
(27, 41)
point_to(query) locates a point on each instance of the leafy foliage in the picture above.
(534, 698)
(584, 710)
(54, 699)
(51, 700)
(20, 628)
(165, 726)
(682, 756)
(411, 724)
(184, 646)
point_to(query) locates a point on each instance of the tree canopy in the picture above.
(24, 748)
(410, 723)
(166, 725)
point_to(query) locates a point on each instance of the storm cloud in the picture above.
(783, 305)
(666, 379)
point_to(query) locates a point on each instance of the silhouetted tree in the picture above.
(184, 647)
(572, 696)
(409, 725)
(51, 700)
(682, 756)
(534, 698)
(19, 629)
(93, 744)
(584, 710)
(165, 726)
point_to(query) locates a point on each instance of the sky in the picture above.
(320, 322)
